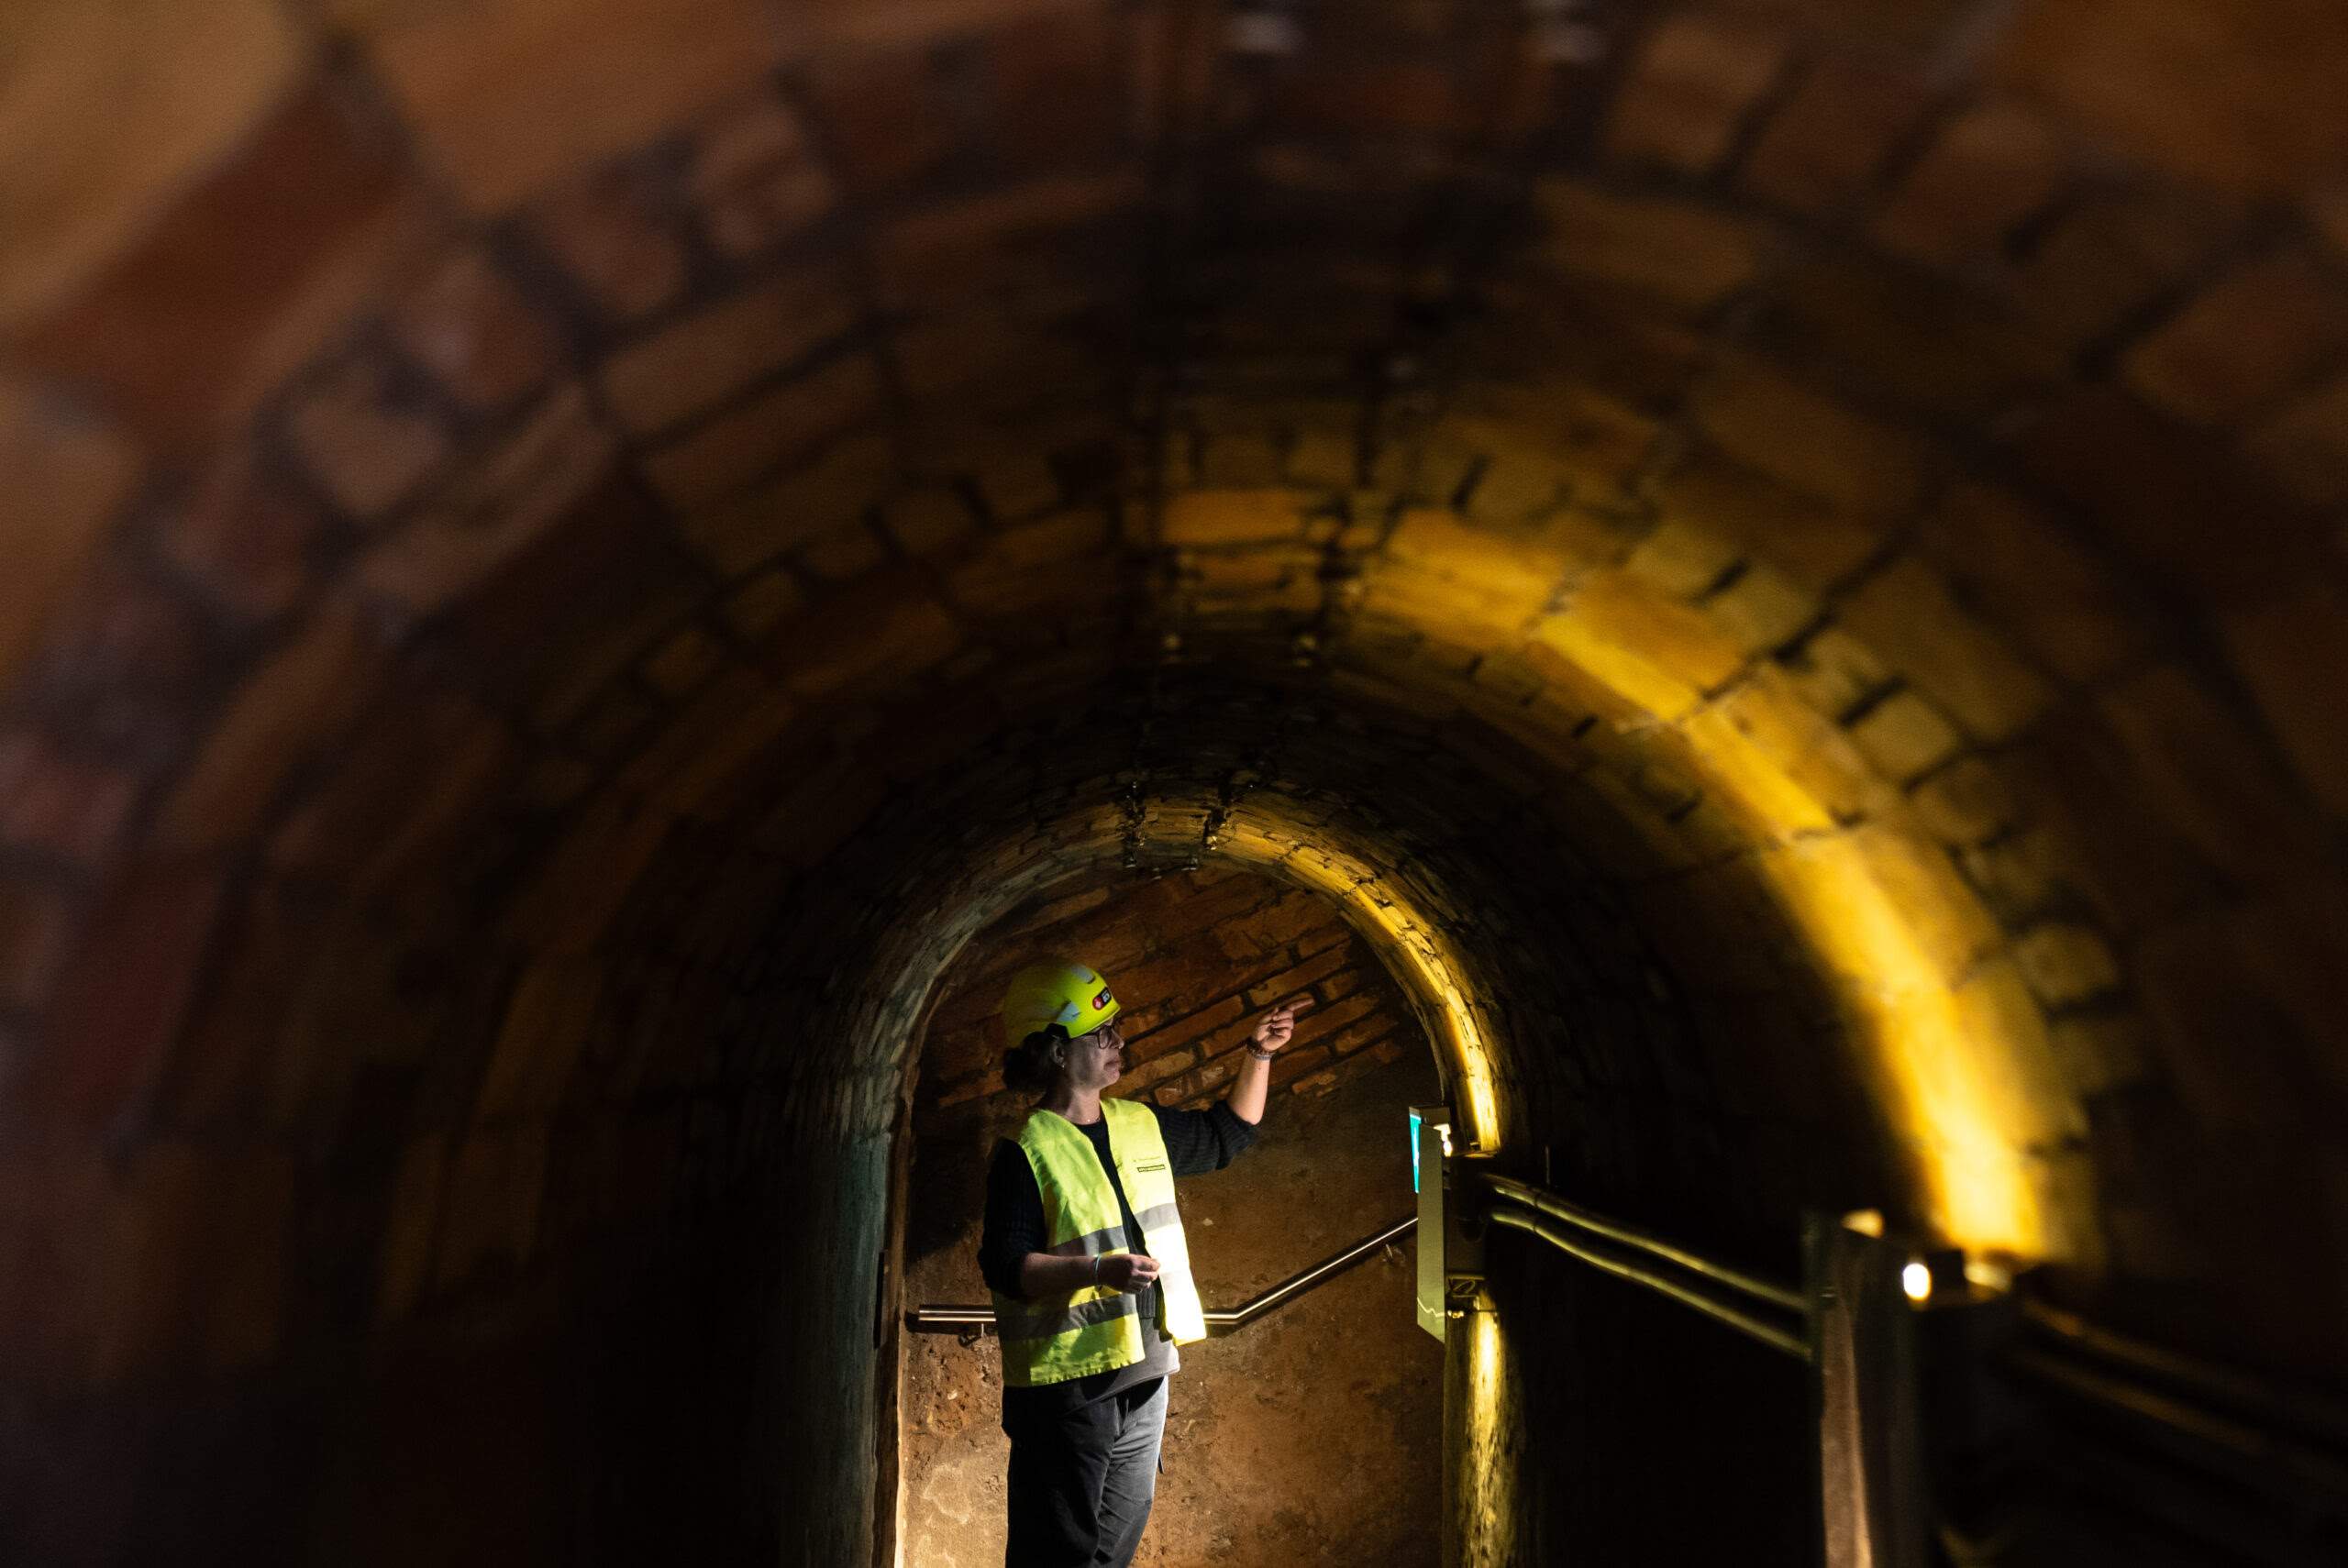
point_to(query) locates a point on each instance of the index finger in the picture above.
(1295, 1004)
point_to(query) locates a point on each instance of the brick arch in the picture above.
(1874, 479)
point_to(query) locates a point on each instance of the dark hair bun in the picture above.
(1033, 1065)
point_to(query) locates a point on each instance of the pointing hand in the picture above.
(1273, 1029)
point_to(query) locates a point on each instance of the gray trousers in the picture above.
(1081, 1484)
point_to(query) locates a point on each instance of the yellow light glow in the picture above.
(1865, 1221)
(1917, 1281)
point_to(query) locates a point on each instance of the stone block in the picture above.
(1056, 80)
(299, 698)
(616, 242)
(1686, 256)
(1824, 146)
(118, 1003)
(499, 507)
(740, 447)
(771, 520)
(1813, 543)
(755, 180)
(2305, 446)
(2019, 562)
(1695, 80)
(1766, 419)
(509, 96)
(1965, 803)
(1209, 518)
(2066, 964)
(468, 325)
(36, 931)
(62, 478)
(698, 364)
(929, 519)
(679, 665)
(179, 338)
(2148, 487)
(547, 1018)
(891, 118)
(2114, 252)
(1989, 169)
(370, 440)
(2292, 652)
(1903, 736)
(2098, 1053)
(2245, 342)
(86, 158)
(844, 553)
(1762, 609)
(489, 1208)
(242, 533)
(2199, 767)
(1654, 653)
(61, 802)
(1905, 613)
(883, 626)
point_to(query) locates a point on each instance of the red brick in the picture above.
(2305, 446)
(63, 479)
(2245, 342)
(1823, 145)
(1694, 82)
(1988, 171)
(755, 180)
(371, 443)
(36, 929)
(889, 118)
(85, 160)
(1054, 84)
(120, 1001)
(2293, 655)
(245, 535)
(2063, 603)
(1290, 982)
(240, 281)
(1687, 256)
(296, 702)
(502, 505)
(2151, 488)
(61, 803)
(489, 1212)
(699, 363)
(737, 449)
(508, 96)
(612, 238)
(2112, 253)
(468, 326)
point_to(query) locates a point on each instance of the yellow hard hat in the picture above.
(1056, 990)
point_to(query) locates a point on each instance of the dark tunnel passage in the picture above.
(1774, 565)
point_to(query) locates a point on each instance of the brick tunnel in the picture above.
(1777, 564)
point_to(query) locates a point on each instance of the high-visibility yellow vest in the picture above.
(1072, 1334)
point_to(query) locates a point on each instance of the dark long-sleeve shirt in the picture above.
(1196, 1141)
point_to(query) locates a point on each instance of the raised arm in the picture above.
(1254, 1081)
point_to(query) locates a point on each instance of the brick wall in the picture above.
(1196, 958)
(1314, 1431)
(1784, 561)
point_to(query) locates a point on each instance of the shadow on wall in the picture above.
(1313, 1435)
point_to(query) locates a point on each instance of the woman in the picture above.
(1084, 1252)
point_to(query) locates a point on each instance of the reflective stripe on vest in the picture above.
(1074, 1334)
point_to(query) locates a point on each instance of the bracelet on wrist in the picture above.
(1260, 1053)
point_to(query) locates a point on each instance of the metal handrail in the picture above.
(1532, 1196)
(1224, 1321)
(1719, 1311)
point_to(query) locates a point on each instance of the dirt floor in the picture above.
(1311, 1436)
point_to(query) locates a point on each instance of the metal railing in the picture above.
(1568, 1227)
(2245, 1436)
(976, 1320)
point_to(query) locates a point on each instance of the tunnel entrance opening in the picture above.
(1315, 1432)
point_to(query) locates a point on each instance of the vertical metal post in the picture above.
(1863, 1400)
